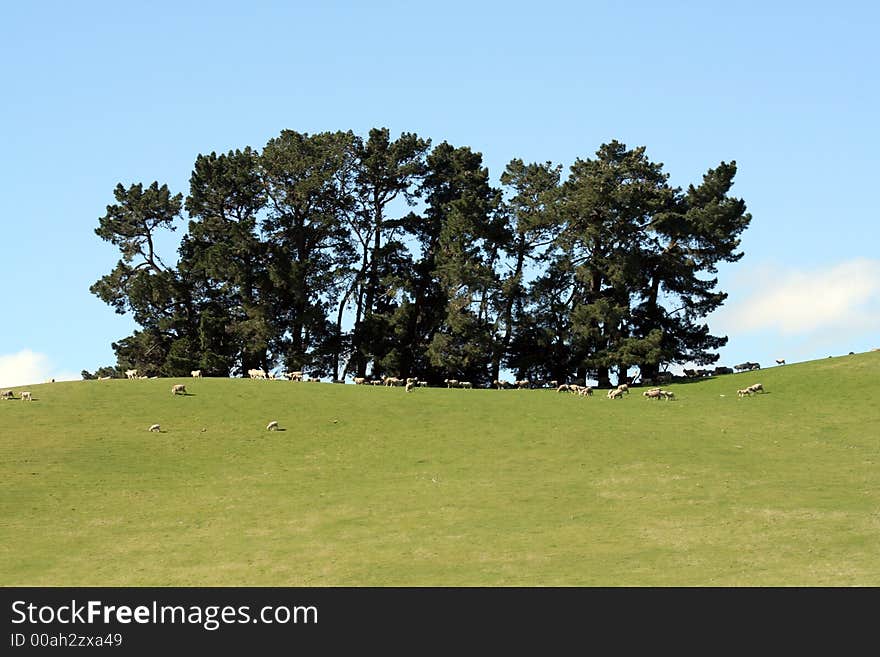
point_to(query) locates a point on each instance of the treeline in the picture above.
(349, 256)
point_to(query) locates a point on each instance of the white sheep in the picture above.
(585, 391)
(360, 380)
(295, 376)
(131, 374)
(756, 387)
(7, 394)
(451, 383)
(178, 389)
(423, 384)
(410, 385)
(104, 378)
(563, 388)
(780, 361)
(196, 374)
(26, 396)
(667, 394)
(623, 388)
(653, 393)
(521, 385)
(466, 384)
(615, 393)
(272, 426)
(745, 391)
(155, 427)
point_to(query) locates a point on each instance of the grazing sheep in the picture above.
(667, 394)
(155, 427)
(451, 383)
(563, 388)
(26, 396)
(521, 385)
(756, 387)
(615, 393)
(745, 391)
(423, 384)
(196, 374)
(466, 384)
(623, 388)
(585, 391)
(391, 381)
(131, 374)
(360, 380)
(272, 426)
(295, 376)
(653, 393)
(178, 389)
(377, 382)
(7, 394)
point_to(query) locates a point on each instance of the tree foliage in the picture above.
(351, 256)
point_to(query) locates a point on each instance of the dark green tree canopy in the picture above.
(350, 256)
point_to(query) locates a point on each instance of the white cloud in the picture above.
(797, 302)
(28, 367)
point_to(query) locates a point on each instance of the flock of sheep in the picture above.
(412, 382)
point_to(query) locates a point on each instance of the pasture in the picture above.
(373, 486)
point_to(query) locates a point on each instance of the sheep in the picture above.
(585, 391)
(466, 384)
(521, 385)
(451, 383)
(131, 374)
(745, 391)
(272, 426)
(653, 393)
(360, 380)
(423, 384)
(295, 376)
(780, 361)
(178, 389)
(667, 394)
(623, 388)
(196, 374)
(410, 385)
(155, 428)
(377, 382)
(7, 394)
(756, 387)
(391, 381)
(104, 378)
(26, 396)
(553, 384)
(563, 388)
(615, 393)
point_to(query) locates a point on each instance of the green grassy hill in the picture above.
(374, 486)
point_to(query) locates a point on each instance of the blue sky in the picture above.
(98, 93)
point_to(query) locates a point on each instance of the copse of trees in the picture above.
(344, 256)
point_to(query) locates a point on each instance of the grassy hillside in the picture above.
(374, 486)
